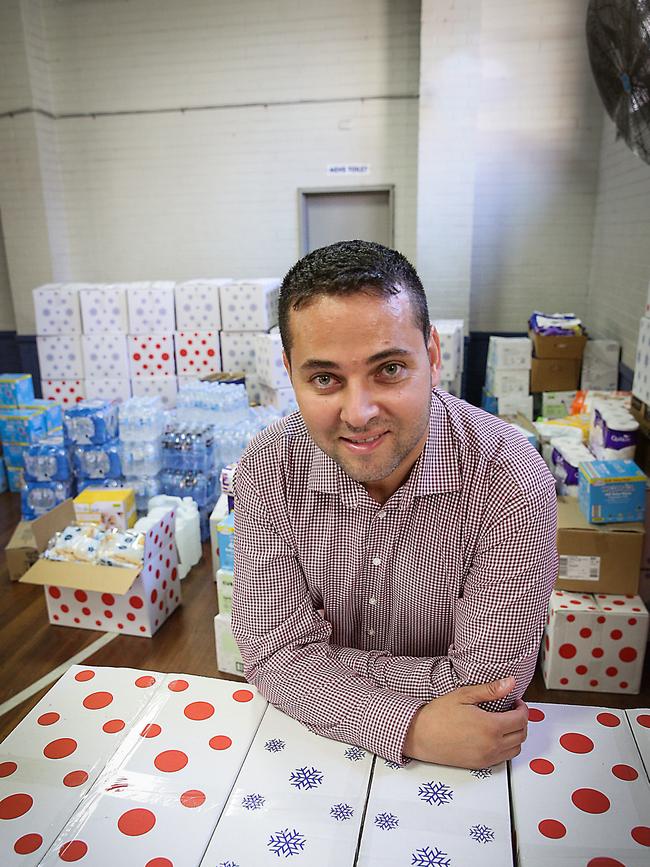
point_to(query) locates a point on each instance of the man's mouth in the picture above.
(364, 443)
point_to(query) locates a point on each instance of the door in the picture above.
(330, 215)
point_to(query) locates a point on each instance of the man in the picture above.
(394, 546)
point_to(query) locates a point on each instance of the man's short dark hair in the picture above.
(348, 267)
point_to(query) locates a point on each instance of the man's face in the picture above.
(362, 375)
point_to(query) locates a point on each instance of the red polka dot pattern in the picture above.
(552, 828)
(590, 801)
(136, 822)
(573, 742)
(75, 850)
(609, 720)
(192, 798)
(16, 805)
(199, 710)
(170, 761)
(61, 748)
(27, 844)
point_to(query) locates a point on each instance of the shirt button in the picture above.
(372, 600)
(371, 631)
(381, 514)
(376, 561)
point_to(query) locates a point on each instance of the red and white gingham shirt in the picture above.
(445, 585)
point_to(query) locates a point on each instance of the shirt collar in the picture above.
(436, 471)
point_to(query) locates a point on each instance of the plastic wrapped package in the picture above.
(47, 460)
(37, 498)
(91, 422)
(97, 461)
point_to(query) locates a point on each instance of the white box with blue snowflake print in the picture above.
(580, 795)
(296, 794)
(435, 816)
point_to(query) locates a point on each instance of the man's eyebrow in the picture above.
(319, 363)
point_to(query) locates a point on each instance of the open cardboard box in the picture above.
(597, 558)
(558, 345)
(22, 550)
(133, 600)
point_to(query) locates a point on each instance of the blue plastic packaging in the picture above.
(101, 461)
(14, 453)
(201, 487)
(16, 388)
(47, 460)
(4, 484)
(37, 498)
(145, 487)
(82, 484)
(91, 422)
(53, 412)
(141, 458)
(189, 446)
(15, 478)
(226, 540)
(22, 425)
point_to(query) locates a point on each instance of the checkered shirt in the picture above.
(350, 615)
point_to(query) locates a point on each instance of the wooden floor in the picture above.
(31, 648)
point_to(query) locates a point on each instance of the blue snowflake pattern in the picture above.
(394, 766)
(286, 843)
(253, 802)
(275, 745)
(340, 812)
(227, 864)
(481, 833)
(306, 778)
(435, 793)
(386, 821)
(428, 857)
(355, 754)
(482, 773)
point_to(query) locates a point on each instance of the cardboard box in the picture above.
(641, 382)
(228, 654)
(554, 374)
(165, 387)
(151, 307)
(135, 601)
(105, 355)
(558, 346)
(249, 305)
(600, 365)
(151, 355)
(22, 549)
(16, 388)
(639, 720)
(15, 478)
(612, 491)
(510, 352)
(238, 351)
(108, 388)
(594, 642)
(597, 558)
(506, 382)
(103, 308)
(510, 404)
(56, 306)
(577, 788)
(197, 352)
(268, 361)
(124, 766)
(452, 338)
(557, 404)
(22, 425)
(109, 507)
(63, 391)
(197, 304)
(282, 399)
(60, 356)
(224, 591)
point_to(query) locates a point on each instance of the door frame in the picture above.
(304, 192)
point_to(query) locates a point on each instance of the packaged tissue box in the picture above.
(197, 304)
(151, 307)
(56, 306)
(103, 308)
(151, 355)
(60, 356)
(53, 412)
(108, 388)
(510, 352)
(238, 350)
(110, 507)
(268, 361)
(16, 388)
(612, 491)
(64, 391)
(250, 305)
(105, 355)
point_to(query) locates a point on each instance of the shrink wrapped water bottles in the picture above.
(201, 487)
(47, 460)
(145, 487)
(141, 419)
(188, 446)
(91, 422)
(140, 458)
(118, 482)
(97, 461)
(37, 498)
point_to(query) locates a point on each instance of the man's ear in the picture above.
(287, 364)
(433, 351)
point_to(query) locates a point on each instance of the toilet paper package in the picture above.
(510, 352)
(613, 433)
(566, 457)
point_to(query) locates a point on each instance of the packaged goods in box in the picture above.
(225, 530)
(614, 432)
(556, 346)
(16, 388)
(641, 383)
(197, 304)
(134, 600)
(108, 389)
(577, 788)
(612, 491)
(79, 758)
(97, 461)
(164, 387)
(554, 374)
(566, 457)
(91, 422)
(37, 498)
(510, 352)
(14, 454)
(197, 352)
(47, 460)
(103, 308)
(269, 365)
(600, 365)
(60, 356)
(53, 412)
(249, 305)
(15, 478)
(502, 382)
(56, 306)
(594, 643)
(22, 425)
(451, 335)
(282, 399)
(557, 404)
(228, 654)
(105, 355)
(151, 355)
(224, 591)
(151, 307)
(595, 558)
(238, 351)
(186, 483)
(109, 507)
(509, 404)
(63, 391)
(22, 550)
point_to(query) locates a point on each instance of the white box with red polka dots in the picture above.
(197, 353)
(123, 766)
(579, 792)
(594, 642)
(64, 391)
(134, 601)
(151, 355)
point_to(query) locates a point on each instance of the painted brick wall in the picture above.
(620, 266)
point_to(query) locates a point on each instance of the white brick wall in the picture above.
(620, 265)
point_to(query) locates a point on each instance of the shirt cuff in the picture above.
(386, 721)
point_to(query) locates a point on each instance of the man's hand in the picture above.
(452, 730)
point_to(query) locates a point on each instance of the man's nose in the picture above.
(359, 407)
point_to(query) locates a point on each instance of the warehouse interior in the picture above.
(154, 140)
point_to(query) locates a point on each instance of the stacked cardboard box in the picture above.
(452, 339)
(507, 380)
(556, 361)
(58, 341)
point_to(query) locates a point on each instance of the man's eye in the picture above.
(392, 370)
(322, 380)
